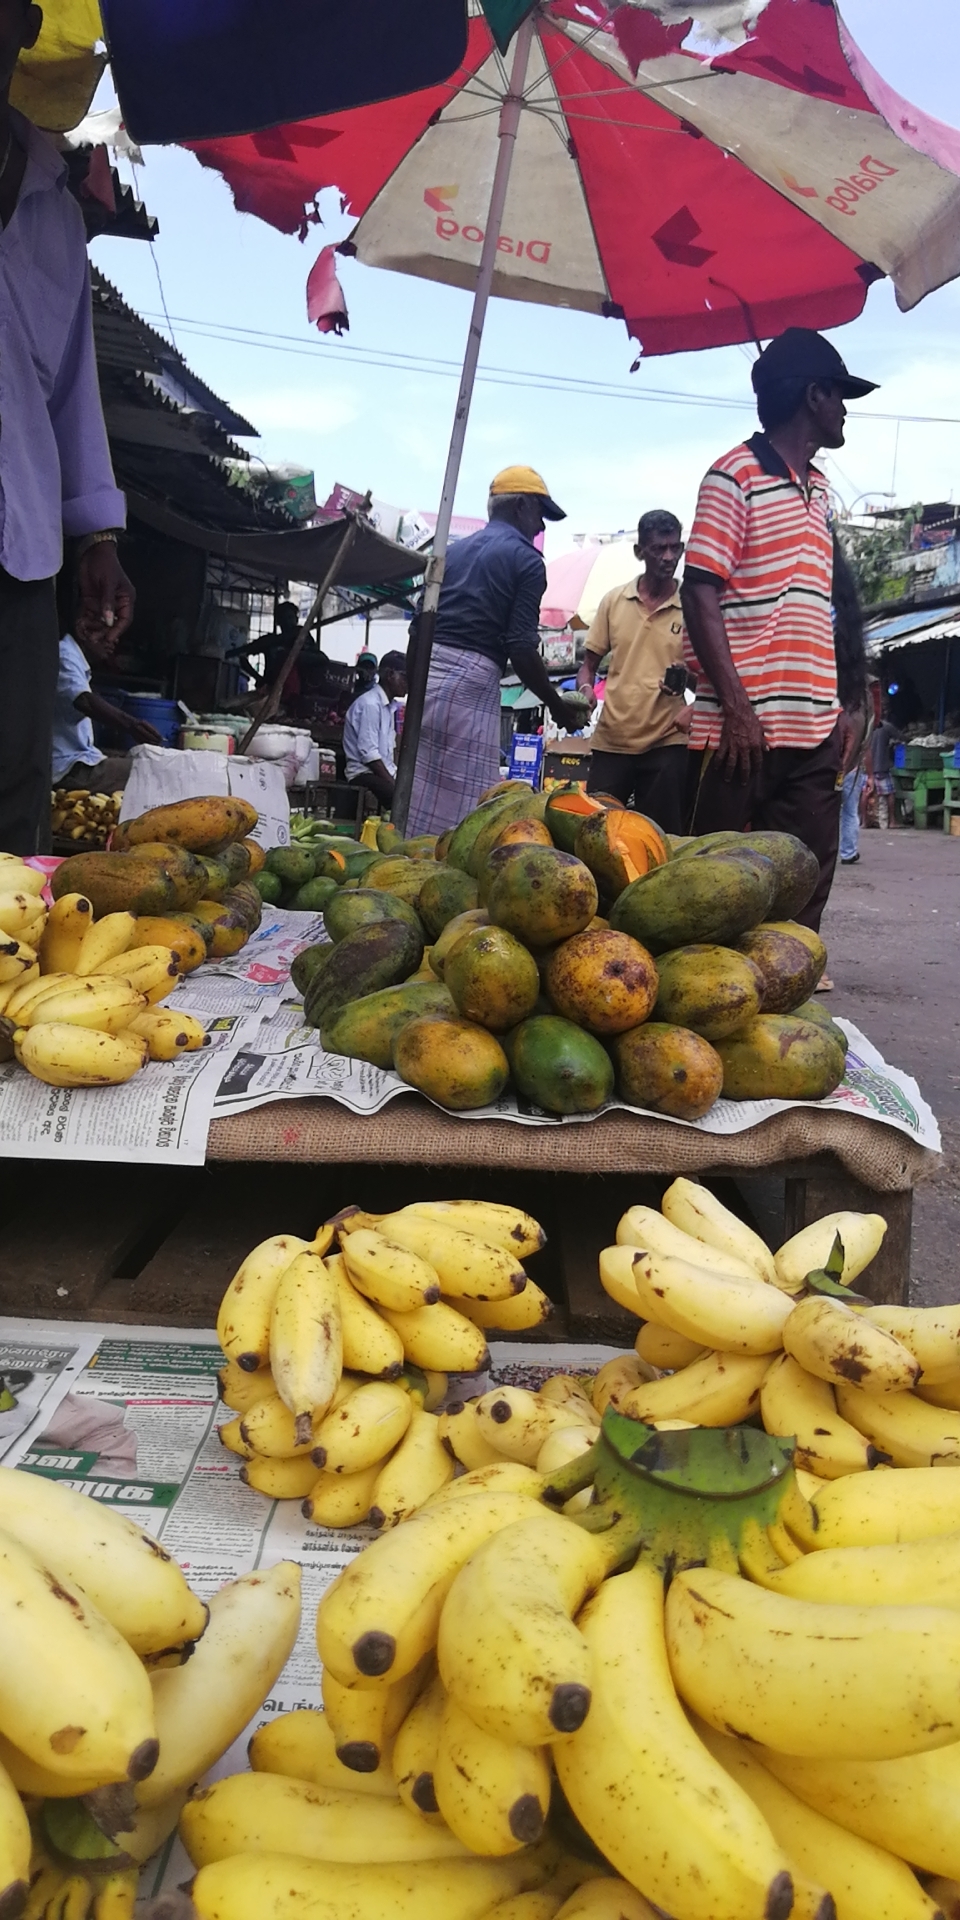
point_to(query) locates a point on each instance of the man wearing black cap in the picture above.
(768, 731)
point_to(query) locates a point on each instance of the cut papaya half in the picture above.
(565, 809)
(619, 847)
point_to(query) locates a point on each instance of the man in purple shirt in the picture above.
(56, 478)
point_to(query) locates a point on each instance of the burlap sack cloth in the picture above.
(409, 1132)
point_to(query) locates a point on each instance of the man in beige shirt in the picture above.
(639, 749)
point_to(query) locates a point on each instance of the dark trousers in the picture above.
(29, 664)
(654, 782)
(375, 783)
(107, 776)
(795, 792)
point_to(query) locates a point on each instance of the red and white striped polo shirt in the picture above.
(766, 538)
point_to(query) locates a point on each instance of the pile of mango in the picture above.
(184, 871)
(563, 945)
(305, 875)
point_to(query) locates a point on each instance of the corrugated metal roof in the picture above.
(911, 630)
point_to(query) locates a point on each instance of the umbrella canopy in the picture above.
(577, 581)
(705, 200)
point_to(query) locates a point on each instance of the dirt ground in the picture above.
(892, 929)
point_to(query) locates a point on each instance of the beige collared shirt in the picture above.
(642, 644)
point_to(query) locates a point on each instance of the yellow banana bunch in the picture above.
(106, 1005)
(508, 1228)
(301, 1746)
(65, 1055)
(802, 1676)
(467, 1268)
(697, 1212)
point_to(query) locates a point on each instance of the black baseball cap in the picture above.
(800, 354)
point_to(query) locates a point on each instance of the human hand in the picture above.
(589, 691)
(571, 715)
(741, 747)
(105, 594)
(142, 732)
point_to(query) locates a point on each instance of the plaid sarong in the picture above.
(459, 751)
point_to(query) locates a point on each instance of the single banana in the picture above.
(34, 1781)
(11, 988)
(364, 1720)
(617, 1378)
(169, 1034)
(243, 1321)
(126, 1573)
(230, 1435)
(461, 1435)
(916, 1573)
(365, 1429)
(200, 1708)
(16, 959)
(563, 1388)
(32, 934)
(907, 1805)
(251, 1886)
(861, 1235)
(714, 1310)
(502, 1476)
(136, 961)
(867, 1882)
(240, 1390)
(73, 1695)
(517, 1422)
(415, 1750)
(270, 1429)
(909, 1431)
(718, 1391)
(835, 1343)
(519, 1314)
(644, 1227)
(27, 992)
(306, 1342)
(660, 1347)
(387, 1274)
(381, 1614)
(104, 940)
(67, 922)
(698, 1212)
(493, 1794)
(656, 1803)
(600, 1900)
(932, 1335)
(370, 1345)
(71, 1056)
(115, 1897)
(468, 1268)
(878, 1510)
(301, 1746)
(18, 911)
(341, 1499)
(15, 1848)
(14, 872)
(804, 1677)
(543, 1905)
(106, 1005)
(944, 1393)
(508, 1228)
(508, 1649)
(266, 1813)
(945, 1895)
(562, 1446)
(617, 1276)
(793, 1401)
(420, 1466)
(280, 1479)
(440, 1337)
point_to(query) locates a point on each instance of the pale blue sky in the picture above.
(605, 458)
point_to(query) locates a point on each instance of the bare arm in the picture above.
(96, 708)
(741, 745)
(587, 674)
(529, 665)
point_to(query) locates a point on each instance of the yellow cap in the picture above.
(527, 480)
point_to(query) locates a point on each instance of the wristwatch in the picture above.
(89, 540)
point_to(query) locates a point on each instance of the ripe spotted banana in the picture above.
(301, 1746)
(243, 1321)
(908, 1805)
(508, 1228)
(387, 1273)
(240, 1390)
(365, 1429)
(656, 1803)
(861, 1235)
(503, 1476)
(381, 1615)
(420, 1466)
(439, 1337)
(73, 1695)
(932, 1335)
(617, 1378)
(69, 919)
(698, 1212)
(522, 1311)
(370, 1344)
(647, 1229)
(306, 1342)
(269, 1428)
(15, 1847)
(104, 940)
(836, 1344)
(201, 1707)
(879, 1509)
(107, 1005)
(230, 1435)
(718, 1391)
(127, 1575)
(793, 1401)
(660, 1347)
(70, 1056)
(906, 1428)
(508, 1649)
(714, 1310)
(917, 1573)
(468, 1268)
(415, 1750)
(251, 1886)
(341, 1499)
(493, 1794)
(266, 1813)
(802, 1676)
(18, 912)
(169, 1034)
(290, 1479)
(595, 1900)
(16, 960)
(364, 1720)
(516, 1422)
(461, 1435)
(867, 1882)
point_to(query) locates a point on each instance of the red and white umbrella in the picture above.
(705, 192)
(578, 580)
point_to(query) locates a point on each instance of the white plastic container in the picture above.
(289, 746)
(207, 739)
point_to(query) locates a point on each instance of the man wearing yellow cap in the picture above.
(488, 616)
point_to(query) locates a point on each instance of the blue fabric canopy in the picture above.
(202, 69)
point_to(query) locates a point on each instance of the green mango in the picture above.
(446, 892)
(367, 1029)
(353, 907)
(380, 955)
(712, 900)
(778, 1056)
(309, 962)
(269, 886)
(294, 866)
(218, 876)
(314, 896)
(558, 1066)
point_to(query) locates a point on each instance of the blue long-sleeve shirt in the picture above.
(56, 475)
(490, 599)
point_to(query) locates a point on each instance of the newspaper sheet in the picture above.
(129, 1416)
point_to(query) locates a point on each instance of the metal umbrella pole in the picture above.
(418, 664)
